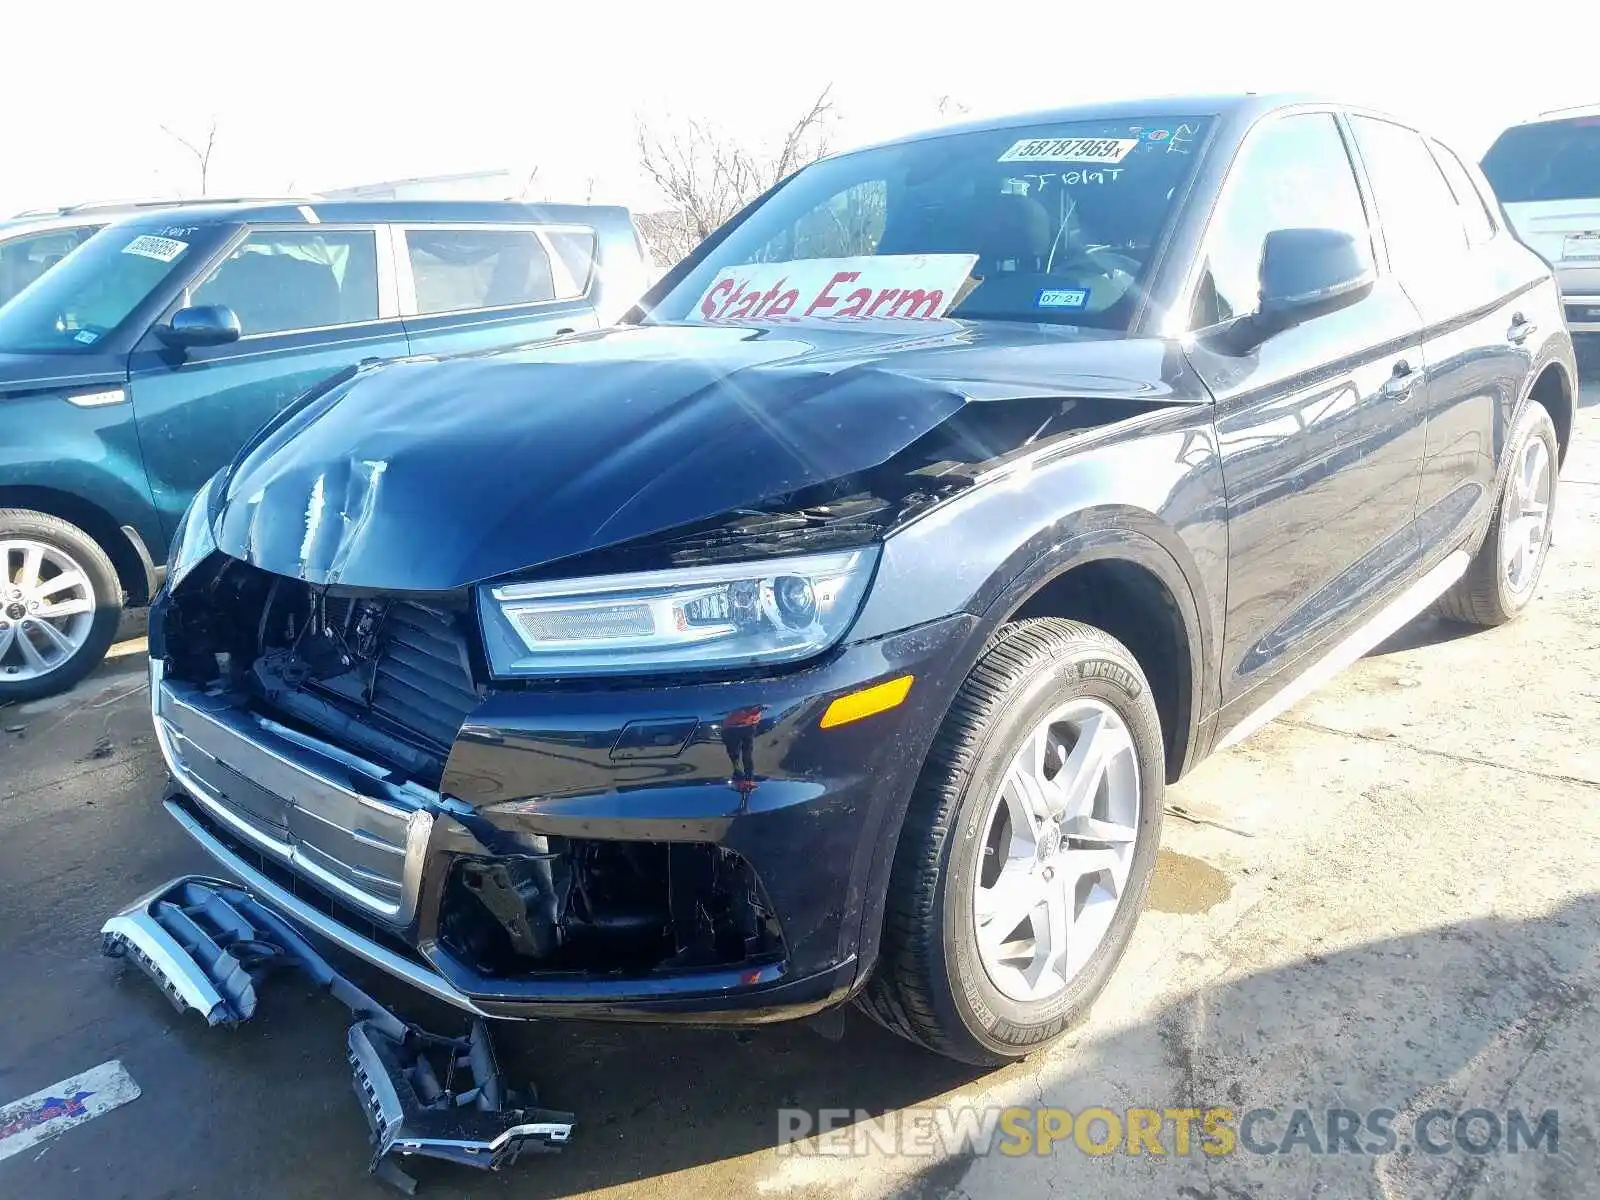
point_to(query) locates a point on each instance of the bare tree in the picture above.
(202, 157)
(707, 176)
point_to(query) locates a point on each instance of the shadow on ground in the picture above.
(1490, 1013)
(1424, 631)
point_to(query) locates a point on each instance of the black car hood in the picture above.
(432, 474)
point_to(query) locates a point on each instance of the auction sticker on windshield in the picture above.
(148, 245)
(864, 287)
(1072, 149)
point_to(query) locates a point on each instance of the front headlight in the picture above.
(194, 542)
(737, 614)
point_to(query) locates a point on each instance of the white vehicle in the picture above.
(1546, 173)
(33, 242)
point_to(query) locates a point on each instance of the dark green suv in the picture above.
(140, 364)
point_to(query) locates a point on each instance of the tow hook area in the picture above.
(210, 946)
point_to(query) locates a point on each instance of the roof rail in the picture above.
(185, 202)
(1571, 108)
(134, 205)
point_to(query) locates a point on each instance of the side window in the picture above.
(1474, 213)
(280, 280)
(459, 269)
(575, 249)
(24, 259)
(1295, 173)
(1422, 223)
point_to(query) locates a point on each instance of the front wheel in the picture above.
(60, 602)
(1028, 847)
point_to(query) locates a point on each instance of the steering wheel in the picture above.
(1108, 275)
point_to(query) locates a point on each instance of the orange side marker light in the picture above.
(880, 697)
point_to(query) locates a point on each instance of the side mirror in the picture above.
(1306, 273)
(200, 325)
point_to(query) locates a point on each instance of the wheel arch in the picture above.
(1554, 390)
(127, 552)
(1130, 585)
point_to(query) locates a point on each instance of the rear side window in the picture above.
(1422, 223)
(1294, 173)
(459, 269)
(1549, 160)
(575, 250)
(1474, 215)
(281, 280)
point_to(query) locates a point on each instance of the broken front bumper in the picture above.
(813, 812)
(210, 946)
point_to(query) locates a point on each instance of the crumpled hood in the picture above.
(432, 474)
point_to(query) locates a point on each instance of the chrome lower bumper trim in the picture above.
(312, 919)
(297, 800)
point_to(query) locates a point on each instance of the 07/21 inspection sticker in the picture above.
(1073, 149)
(1063, 298)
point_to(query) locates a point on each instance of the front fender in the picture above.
(1149, 488)
(89, 453)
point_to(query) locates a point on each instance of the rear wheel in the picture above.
(1501, 578)
(1027, 849)
(60, 602)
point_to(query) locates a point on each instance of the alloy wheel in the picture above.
(1057, 849)
(47, 609)
(1525, 521)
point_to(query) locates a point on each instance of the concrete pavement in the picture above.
(1387, 899)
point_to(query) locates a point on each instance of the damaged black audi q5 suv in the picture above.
(830, 629)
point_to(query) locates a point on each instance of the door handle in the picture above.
(564, 332)
(1521, 329)
(1398, 386)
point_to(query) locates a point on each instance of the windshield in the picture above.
(1551, 160)
(95, 289)
(1052, 223)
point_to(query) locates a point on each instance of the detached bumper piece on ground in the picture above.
(210, 946)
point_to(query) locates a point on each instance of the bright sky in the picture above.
(311, 96)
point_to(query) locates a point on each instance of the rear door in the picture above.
(1471, 282)
(1321, 440)
(487, 287)
(311, 300)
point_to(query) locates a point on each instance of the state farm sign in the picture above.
(867, 287)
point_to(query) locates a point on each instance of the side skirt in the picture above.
(1390, 618)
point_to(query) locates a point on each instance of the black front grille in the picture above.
(423, 681)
